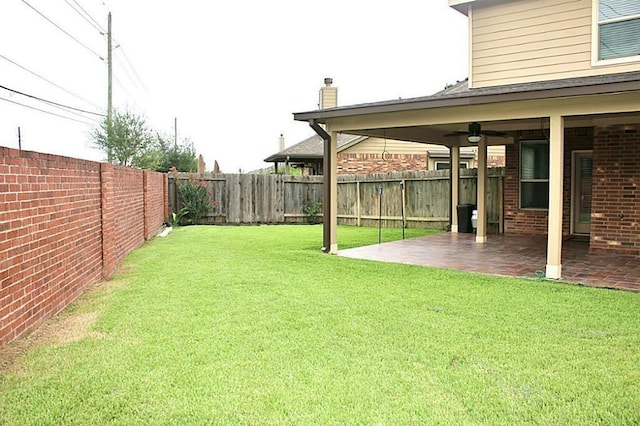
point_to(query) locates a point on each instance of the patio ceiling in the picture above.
(441, 134)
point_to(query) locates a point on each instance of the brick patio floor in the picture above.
(510, 255)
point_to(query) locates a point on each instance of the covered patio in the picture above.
(508, 255)
(559, 121)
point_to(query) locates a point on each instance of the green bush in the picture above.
(196, 199)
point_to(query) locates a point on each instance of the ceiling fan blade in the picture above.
(457, 133)
(494, 133)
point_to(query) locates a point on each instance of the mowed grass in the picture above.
(254, 325)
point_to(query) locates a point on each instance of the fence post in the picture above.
(358, 214)
(404, 205)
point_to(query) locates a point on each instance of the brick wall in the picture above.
(155, 194)
(375, 163)
(123, 203)
(54, 213)
(535, 221)
(615, 222)
(517, 220)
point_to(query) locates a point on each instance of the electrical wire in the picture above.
(97, 24)
(385, 153)
(48, 81)
(46, 112)
(133, 69)
(87, 20)
(51, 102)
(127, 74)
(63, 30)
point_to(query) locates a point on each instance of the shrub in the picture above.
(196, 199)
(312, 210)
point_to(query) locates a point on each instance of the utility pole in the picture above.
(109, 88)
(175, 131)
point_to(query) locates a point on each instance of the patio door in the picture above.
(581, 192)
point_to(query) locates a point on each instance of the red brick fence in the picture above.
(66, 223)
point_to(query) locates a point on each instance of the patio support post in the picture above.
(481, 232)
(556, 166)
(454, 171)
(329, 188)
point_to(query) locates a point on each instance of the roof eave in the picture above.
(292, 158)
(468, 100)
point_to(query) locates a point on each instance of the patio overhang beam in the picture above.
(450, 118)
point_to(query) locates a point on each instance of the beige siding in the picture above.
(527, 40)
(377, 145)
(495, 150)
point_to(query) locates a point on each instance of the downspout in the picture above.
(451, 212)
(326, 186)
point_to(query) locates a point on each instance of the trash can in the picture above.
(464, 218)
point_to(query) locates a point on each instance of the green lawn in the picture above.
(254, 325)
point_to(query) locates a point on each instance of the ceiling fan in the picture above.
(475, 132)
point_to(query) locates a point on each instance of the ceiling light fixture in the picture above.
(474, 133)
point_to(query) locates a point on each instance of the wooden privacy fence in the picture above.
(417, 199)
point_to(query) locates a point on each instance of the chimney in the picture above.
(281, 143)
(328, 95)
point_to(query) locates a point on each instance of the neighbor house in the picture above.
(365, 154)
(555, 82)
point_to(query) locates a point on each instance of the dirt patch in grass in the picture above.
(59, 330)
(71, 325)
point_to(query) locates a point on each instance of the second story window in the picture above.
(619, 28)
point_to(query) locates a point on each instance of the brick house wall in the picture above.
(494, 161)
(535, 221)
(361, 163)
(615, 224)
(62, 227)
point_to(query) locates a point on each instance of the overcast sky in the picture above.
(231, 72)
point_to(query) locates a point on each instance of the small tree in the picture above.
(182, 156)
(127, 141)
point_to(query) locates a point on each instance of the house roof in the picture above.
(312, 148)
(461, 95)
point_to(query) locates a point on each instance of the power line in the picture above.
(87, 18)
(133, 69)
(48, 81)
(63, 30)
(51, 102)
(90, 17)
(46, 112)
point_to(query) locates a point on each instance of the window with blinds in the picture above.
(618, 28)
(534, 174)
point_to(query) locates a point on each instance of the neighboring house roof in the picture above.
(459, 95)
(312, 148)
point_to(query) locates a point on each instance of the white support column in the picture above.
(333, 193)
(481, 232)
(556, 172)
(455, 187)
